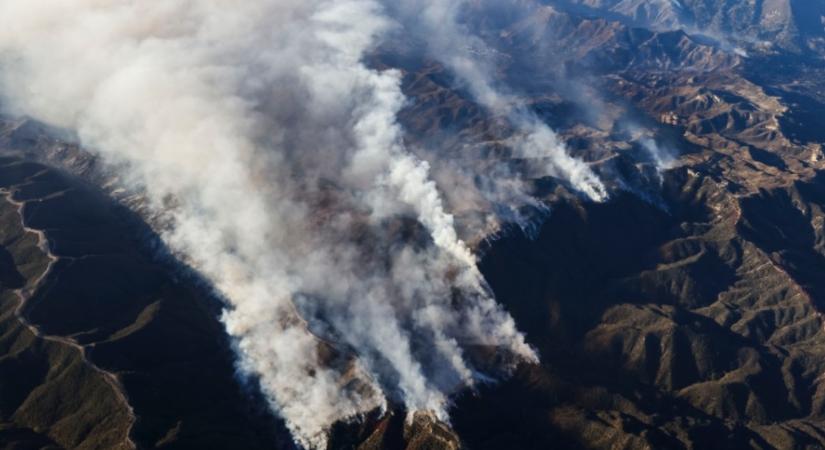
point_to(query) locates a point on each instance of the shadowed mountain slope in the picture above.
(109, 350)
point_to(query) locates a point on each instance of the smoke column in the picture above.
(271, 161)
(452, 43)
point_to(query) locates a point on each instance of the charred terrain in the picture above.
(682, 313)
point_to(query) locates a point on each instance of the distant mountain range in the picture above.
(792, 25)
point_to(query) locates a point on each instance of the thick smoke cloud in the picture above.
(271, 161)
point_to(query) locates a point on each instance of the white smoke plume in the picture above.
(272, 154)
(468, 57)
(662, 158)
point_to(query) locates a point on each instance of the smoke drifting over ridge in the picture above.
(467, 56)
(273, 157)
